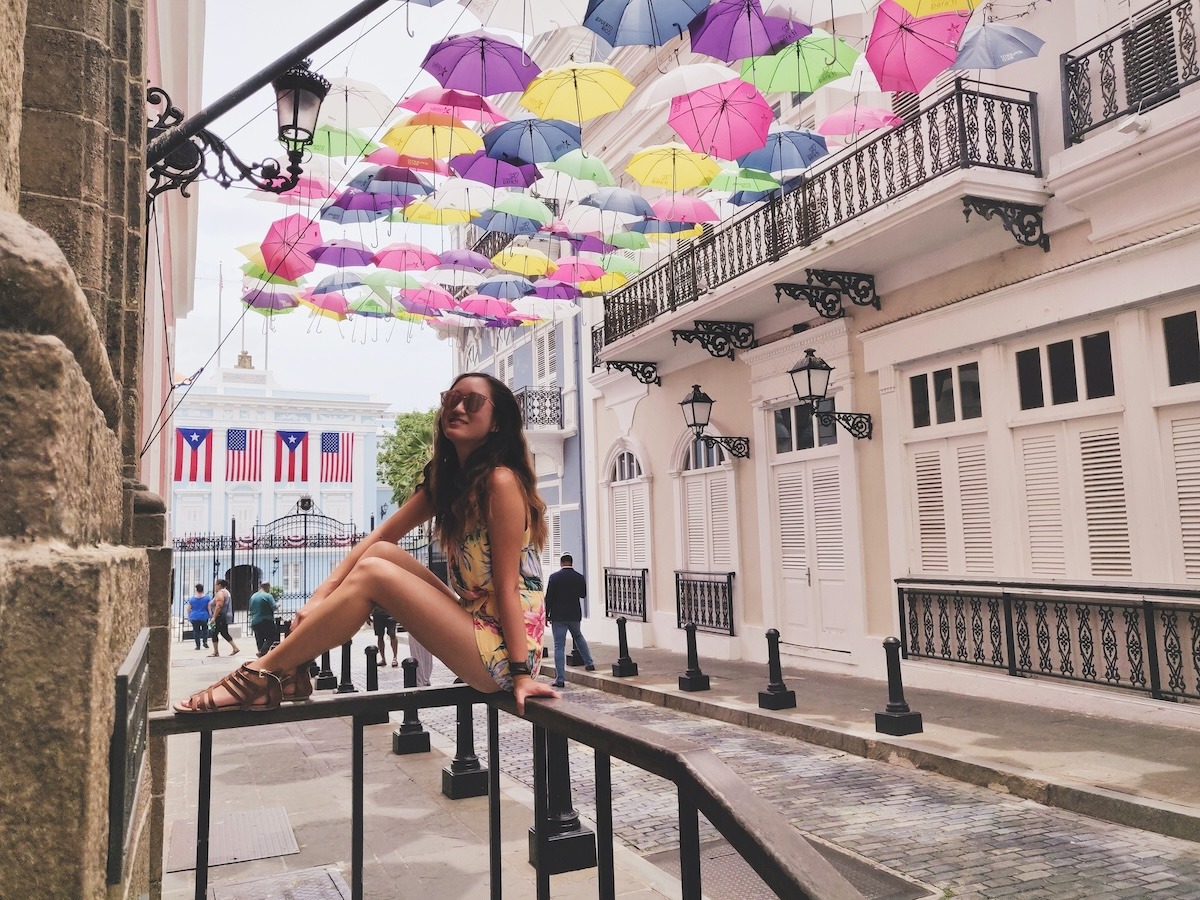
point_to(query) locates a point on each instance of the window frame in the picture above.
(954, 364)
(1076, 409)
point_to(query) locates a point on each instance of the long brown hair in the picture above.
(459, 492)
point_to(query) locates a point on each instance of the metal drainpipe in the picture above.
(579, 452)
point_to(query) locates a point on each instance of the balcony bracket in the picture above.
(1022, 221)
(645, 372)
(825, 301)
(720, 339)
(858, 287)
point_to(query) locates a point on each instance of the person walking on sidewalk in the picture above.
(219, 609)
(384, 624)
(262, 618)
(564, 590)
(198, 616)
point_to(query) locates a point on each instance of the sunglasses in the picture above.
(472, 401)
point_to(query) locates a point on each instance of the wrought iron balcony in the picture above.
(541, 407)
(706, 600)
(625, 593)
(966, 126)
(1139, 64)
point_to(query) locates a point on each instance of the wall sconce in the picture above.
(810, 377)
(176, 164)
(697, 408)
(305, 503)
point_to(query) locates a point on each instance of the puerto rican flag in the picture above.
(337, 455)
(291, 456)
(243, 454)
(193, 454)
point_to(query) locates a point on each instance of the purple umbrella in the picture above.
(462, 258)
(267, 301)
(341, 252)
(550, 289)
(478, 166)
(480, 62)
(737, 29)
(589, 243)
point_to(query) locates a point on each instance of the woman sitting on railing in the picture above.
(481, 489)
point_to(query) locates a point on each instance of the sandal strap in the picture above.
(245, 685)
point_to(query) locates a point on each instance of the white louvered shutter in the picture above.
(931, 512)
(793, 542)
(976, 510)
(639, 528)
(545, 356)
(719, 523)
(827, 519)
(1104, 504)
(621, 526)
(1185, 447)
(696, 524)
(1042, 475)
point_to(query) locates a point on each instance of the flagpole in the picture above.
(220, 296)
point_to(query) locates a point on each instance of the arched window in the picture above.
(628, 503)
(705, 485)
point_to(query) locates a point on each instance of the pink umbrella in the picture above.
(426, 301)
(725, 119)
(574, 269)
(286, 245)
(308, 187)
(465, 105)
(329, 306)
(405, 257)
(389, 156)
(682, 208)
(484, 306)
(853, 119)
(906, 53)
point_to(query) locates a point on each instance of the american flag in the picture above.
(337, 455)
(243, 454)
(193, 454)
(291, 456)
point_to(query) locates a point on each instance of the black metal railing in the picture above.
(1138, 637)
(1133, 66)
(706, 600)
(965, 126)
(597, 344)
(540, 407)
(779, 853)
(625, 593)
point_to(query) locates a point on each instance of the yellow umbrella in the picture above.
(423, 213)
(672, 166)
(524, 261)
(932, 7)
(609, 281)
(579, 91)
(432, 135)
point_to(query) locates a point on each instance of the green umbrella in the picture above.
(254, 270)
(372, 305)
(628, 240)
(581, 164)
(380, 280)
(615, 262)
(743, 180)
(802, 66)
(526, 207)
(331, 141)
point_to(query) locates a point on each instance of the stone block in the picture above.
(60, 463)
(88, 16)
(52, 153)
(12, 61)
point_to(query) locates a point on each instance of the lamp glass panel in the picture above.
(783, 430)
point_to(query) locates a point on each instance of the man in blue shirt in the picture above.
(262, 618)
(564, 590)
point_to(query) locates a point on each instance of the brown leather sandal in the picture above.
(297, 685)
(247, 687)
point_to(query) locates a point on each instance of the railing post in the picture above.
(689, 849)
(325, 678)
(569, 845)
(903, 621)
(962, 124)
(465, 776)
(1010, 641)
(624, 667)
(346, 685)
(897, 719)
(380, 718)
(411, 736)
(1065, 86)
(203, 812)
(356, 811)
(1152, 651)
(777, 695)
(693, 679)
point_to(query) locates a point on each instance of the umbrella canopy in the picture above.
(671, 166)
(814, 11)
(803, 66)
(547, 308)
(388, 156)
(509, 287)
(286, 244)
(549, 289)
(682, 208)
(341, 252)
(532, 140)
(992, 46)
(388, 179)
(422, 212)
(628, 240)
(355, 104)
(609, 281)
(329, 140)
(428, 301)
(453, 277)
(619, 199)
(578, 91)
(481, 62)
(256, 270)
(853, 119)
(308, 188)
(735, 180)
(373, 306)
(649, 23)
(484, 306)
(921, 8)
(465, 105)
(785, 151)
(906, 52)
(506, 223)
(615, 262)
(270, 302)
(338, 283)
(478, 166)
(405, 257)
(462, 258)
(725, 120)
(736, 29)
(572, 268)
(384, 280)
(684, 80)
(432, 134)
(330, 306)
(526, 207)
(590, 220)
(529, 17)
(524, 261)
(584, 166)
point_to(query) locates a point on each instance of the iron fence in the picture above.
(625, 593)
(777, 851)
(964, 126)
(1136, 637)
(706, 600)
(540, 407)
(1136, 65)
(597, 344)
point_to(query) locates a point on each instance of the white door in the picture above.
(811, 577)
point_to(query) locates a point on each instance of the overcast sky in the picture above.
(405, 365)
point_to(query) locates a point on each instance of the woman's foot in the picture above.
(243, 689)
(214, 653)
(297, 685)
(395, 662)
(235, 652)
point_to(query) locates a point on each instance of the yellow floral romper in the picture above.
(470, 566)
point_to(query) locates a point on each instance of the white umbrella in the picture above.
(355, 104)
(590, 220)
(526, 17)
(684, 80)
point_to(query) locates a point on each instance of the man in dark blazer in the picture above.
(564, 590)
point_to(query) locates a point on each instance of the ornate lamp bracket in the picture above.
(206, 154)
(734, 446)
(858, 424)
(720, 339)
(857, 287)
(645, 372)
(1022, 221)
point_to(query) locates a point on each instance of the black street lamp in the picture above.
(697, 408)
(299, 92)
(810, 377)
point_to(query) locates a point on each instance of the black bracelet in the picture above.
(518, 668)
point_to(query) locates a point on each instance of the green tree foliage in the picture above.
(404, 452)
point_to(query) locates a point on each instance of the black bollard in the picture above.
(693, 679)
(572, 846)
(326, 680)
(372, 668)
(346, 685)
(574, 658)
(411, 736)
(897, 720)
(777, 695)
(624, 667)
(465, 776)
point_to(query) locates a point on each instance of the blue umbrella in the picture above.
(491, 220)
(532, 140)
(741, 198)
(660, 226)
(619, 199)
(992, 46)
(649, 23)
(786, 149)
(506, 287)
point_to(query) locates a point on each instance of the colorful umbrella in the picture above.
(628, 240)
(615, 262)
(684, 80)
(921, 8)
(524, 261)
(286, 245)
(353, 104)
(373, 306)
(428, 301)
(618, 199)
(906, 52)
(480, 62)
(572, 268)
(735, 180)
(338, 282)
(578, 91)
(992, 46)
(464, 105)
(591, 220)
(813, 11)
(609, 281)
(853, 119)
(582, 165)
(547, 308)
(803, 66)
(532, 140)
(529, 17)
(256, 270)
(432, 134)
(331, 141)
(682, 208)
(786, 151)
(382, 281)
(422, 213)
(672, 166)
(308, 189)
(341, 252)
(484, 306)
(405, 257)
(330, 306)
(453, 277)
(462, 258)
(725, 120)
(508, 287)
(270, 303)
(524, 206)
(478, 166)
(649, 23)
(549, 289)
(387, 156)
(391, 179)
(505, 223)
(736, 29)
(588, 243)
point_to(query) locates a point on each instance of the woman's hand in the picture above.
(525, 687)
